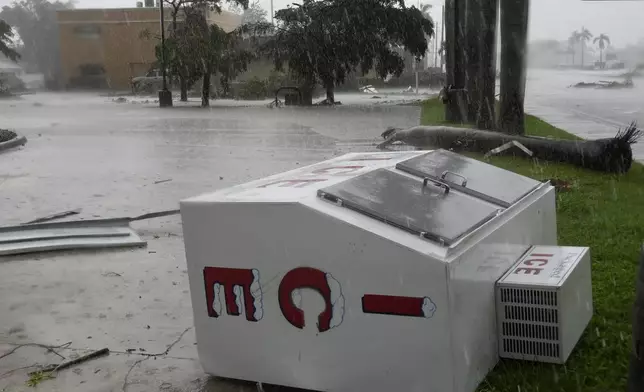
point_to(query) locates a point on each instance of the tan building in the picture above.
(103, 48)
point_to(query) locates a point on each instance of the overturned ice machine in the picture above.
(401, 271)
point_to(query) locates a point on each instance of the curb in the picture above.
(15, 142)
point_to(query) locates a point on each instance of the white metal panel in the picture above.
(544, 266)
(576, 304)
(302, 183)
(372, 351)
(542, 320)
(483, 259)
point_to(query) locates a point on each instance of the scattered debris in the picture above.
(560, 185)
(83, 234)
(50, 349)
(110, 274)
(162, 181)
(51, 217)
(119, 100)
(6, 135)
(36, 378)
(369, 89)
(152, 215)
(376, 97)
(628, 83)
(127, 375)
(92, 234)
(67, 364)
(507, 146)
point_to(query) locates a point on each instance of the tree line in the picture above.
(319, 42)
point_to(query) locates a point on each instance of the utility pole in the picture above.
(272, 13)
(165, 95)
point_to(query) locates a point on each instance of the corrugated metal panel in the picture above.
(105, 233)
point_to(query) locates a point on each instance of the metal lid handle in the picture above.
(446, 172)
(437, 183)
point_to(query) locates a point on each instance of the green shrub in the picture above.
(254, 88)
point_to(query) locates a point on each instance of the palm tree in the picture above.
(572, 41)
(601, 40)
(6, 37)
(584, 35)
(514, 18)
(486, 118)
(425, 9)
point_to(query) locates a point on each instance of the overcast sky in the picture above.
(622, 21)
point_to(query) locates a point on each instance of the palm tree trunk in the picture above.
(472, 54)
(514, 32)
(455, 103)
(601, 56)
(183, 86)
(330, 95)
(636, 370)
(582, 54)
(487, 71)
(205, 88)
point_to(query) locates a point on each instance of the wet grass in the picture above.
(606, 213)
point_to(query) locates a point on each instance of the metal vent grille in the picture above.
(531, 348)
(529, 321)
(529, 296)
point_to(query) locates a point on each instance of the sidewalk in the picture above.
(582, 124)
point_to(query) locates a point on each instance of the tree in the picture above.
(180, 64)
(514, 33)
(601, 40)
(425, 9)
(6, 42)
(583, 36)
(37, 26)
(214, 50)
(454, 98)
(486, 118)
(472, 57)
(254, 14)
(573, 40)
(324, 41)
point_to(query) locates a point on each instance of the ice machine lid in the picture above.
(470, 176)
(424, 207)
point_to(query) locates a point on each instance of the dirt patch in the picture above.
(6, 135)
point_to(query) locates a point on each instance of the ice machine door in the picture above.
(421, 206)
(470, 176)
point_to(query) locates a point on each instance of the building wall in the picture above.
(111, 38)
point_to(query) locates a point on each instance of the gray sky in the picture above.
(620, 20)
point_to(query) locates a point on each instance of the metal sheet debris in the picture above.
(51, 217)
(90, 234)
(507, 146)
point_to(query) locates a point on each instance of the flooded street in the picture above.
(85, 151)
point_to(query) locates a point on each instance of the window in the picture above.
(87, 31)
